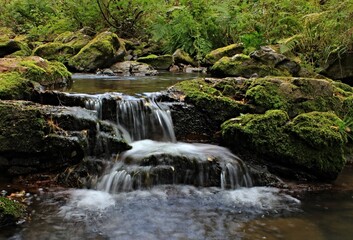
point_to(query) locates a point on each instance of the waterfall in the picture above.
(157, 158)
(145, 118)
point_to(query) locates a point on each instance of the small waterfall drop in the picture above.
(145, 118)
(157, 158)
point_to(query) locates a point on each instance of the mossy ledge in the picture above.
(308, 147)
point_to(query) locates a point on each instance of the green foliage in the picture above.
(315, 31)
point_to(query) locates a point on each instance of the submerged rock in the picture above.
(309, 147)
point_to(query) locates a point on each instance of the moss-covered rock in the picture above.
(34, 69)
(11, 211)
(182, 57)
(157, 62)
(309, 146)
(54, 51)
(101, 52)
(260, 63)
(39, 138)
(294, 95)
(13, 47)
(243, 66)
(76, 40)
(227, 51)
(14, 86)
(209, 100)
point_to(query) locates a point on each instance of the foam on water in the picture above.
(173, 212)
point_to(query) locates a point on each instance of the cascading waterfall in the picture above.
(156, 158)
(145, 118)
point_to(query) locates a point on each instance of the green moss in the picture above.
(245, 68)
(218, 53)
(28, 127)
(13, 86)
(267, 96)
(311, 142)
(208, 99)
(54, 51)
(158, 62)
(10, 211)
(101, 52)
(75, 40)
(45, 73)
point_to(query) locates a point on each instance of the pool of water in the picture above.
(93, 84)
(180, 211)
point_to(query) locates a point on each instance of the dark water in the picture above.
(184, 212)
(92, 83)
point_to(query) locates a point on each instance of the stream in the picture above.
(125, 203)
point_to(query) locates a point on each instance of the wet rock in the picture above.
(133, 68)
(308, 147)
(49, 138)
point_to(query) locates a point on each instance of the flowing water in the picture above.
(164, 189)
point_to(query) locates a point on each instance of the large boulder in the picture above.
(14, 47)
(39, 138)
(261, 63)
(65, 46)
(157, 62)
(227, 51)
(310, 146)
(54, 51)
(101, 52)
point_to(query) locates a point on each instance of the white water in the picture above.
(162, 212)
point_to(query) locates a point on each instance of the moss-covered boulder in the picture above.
(157, 62)
(308, 147)
(54, 51)
(11, 212)
(13, 47)
(16, 75)
(209, 100)
(182, 57)
(227, 51)
(261, 63)
(76, 40)
(39, 138)
(294, 95)
(101, 52)
(65, 46)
